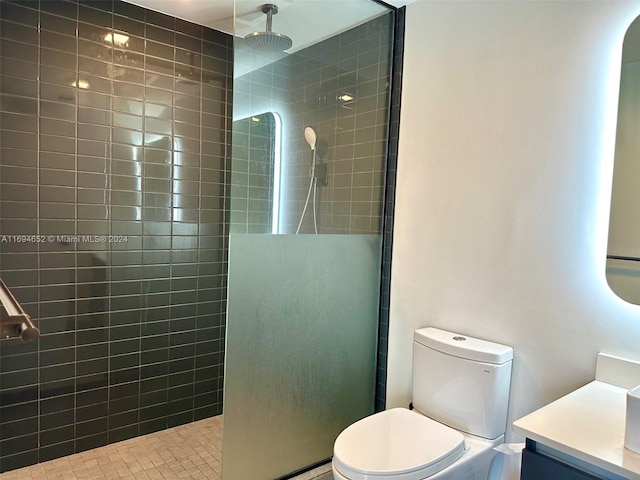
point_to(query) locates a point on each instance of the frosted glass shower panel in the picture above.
(301, 348)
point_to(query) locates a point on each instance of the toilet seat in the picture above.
(398, 444)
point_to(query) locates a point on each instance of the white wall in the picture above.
(504, 175)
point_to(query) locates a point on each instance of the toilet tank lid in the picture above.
(463, 346)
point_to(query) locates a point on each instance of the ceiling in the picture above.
(322, 18)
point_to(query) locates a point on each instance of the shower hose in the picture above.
(313, 182)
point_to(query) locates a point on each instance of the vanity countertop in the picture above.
(588, 424)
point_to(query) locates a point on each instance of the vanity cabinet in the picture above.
(538, 465)
(579, 437)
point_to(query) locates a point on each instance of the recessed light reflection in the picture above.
(118, 39)
(81, 84)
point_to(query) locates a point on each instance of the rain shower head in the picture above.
(268, 41)
(311, 137)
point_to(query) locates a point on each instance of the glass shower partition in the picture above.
(306, 204)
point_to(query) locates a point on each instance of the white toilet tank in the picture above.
(461, 381)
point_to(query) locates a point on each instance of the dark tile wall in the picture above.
(113, 166)
(389, 208)
(340, 87)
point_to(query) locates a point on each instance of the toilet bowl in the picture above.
(461, 390)
(361, 452)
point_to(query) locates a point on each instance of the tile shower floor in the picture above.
(192, 451)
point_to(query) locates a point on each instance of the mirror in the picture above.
(255, 174)
(623, 250)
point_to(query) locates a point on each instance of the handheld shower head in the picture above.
(311, 137)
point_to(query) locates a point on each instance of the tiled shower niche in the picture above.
(115, 126)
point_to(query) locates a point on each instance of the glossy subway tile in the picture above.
(101, 310)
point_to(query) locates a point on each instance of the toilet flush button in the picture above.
(459, 338)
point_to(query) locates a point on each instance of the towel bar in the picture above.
(18, 322)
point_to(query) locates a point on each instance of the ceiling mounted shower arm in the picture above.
(270, 9)
(268, 41)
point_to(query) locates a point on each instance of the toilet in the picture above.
(460, 400)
